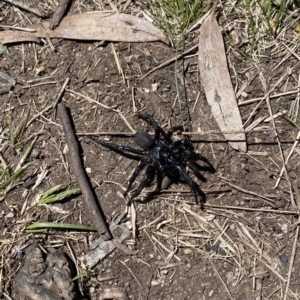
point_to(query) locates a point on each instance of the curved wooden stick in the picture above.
(91, 204)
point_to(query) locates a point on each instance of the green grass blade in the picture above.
(87, 273)
(4, 172)
(26, 154)
(14, 177)
(50, 191)
(58, 197)
(11, 129)
(177, 16)
(64, 226)
(24, 126)
(288, 117)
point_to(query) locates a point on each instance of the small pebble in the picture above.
(285, 228)
(210, 294)
(154, 282)
(35, 153)
(9, 215)
(223, 245)
(187, 251)
(128, 225)
(154, 87)
(208, 246)
(232, 226)
(210, 217)
(229, 276)
(283, 258)
(27, 184)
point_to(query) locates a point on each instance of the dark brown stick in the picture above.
(87, 193)
(59, 13)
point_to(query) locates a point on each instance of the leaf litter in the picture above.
(108, 26)
(217, 84)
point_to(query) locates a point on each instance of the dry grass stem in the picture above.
(104, 106)
(117, 61)
(156, 249)
(188, 133)
(250, 101)
(292, 259)
(61, 92)
(17, 28)
(166, 249)
(254, 246)
(167, 62)
(129, 134)
(281, 153)
(219, 276)
(268, 200)
(133, 220)
(39, 84)
(123, 263)
(273, 211)
(287, 159)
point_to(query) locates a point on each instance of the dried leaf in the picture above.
(15, 36)
(217, 84)
(93, 26)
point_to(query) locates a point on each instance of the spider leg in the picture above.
(172, 130)
(189, 151)
(183, 176)
(193, 185)
(159, 179)
(117, 148)
(148, 178)
(184, 143)
(136, 172)
(149, 119)
(194, 167)
(201, 167)
(195, 156)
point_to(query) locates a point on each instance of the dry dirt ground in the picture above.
(242, 245)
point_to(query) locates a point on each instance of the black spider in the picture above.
(163, 156)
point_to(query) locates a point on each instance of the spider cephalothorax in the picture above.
(163, 156)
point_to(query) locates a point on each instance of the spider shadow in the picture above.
(195, 190)
(174, 178)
